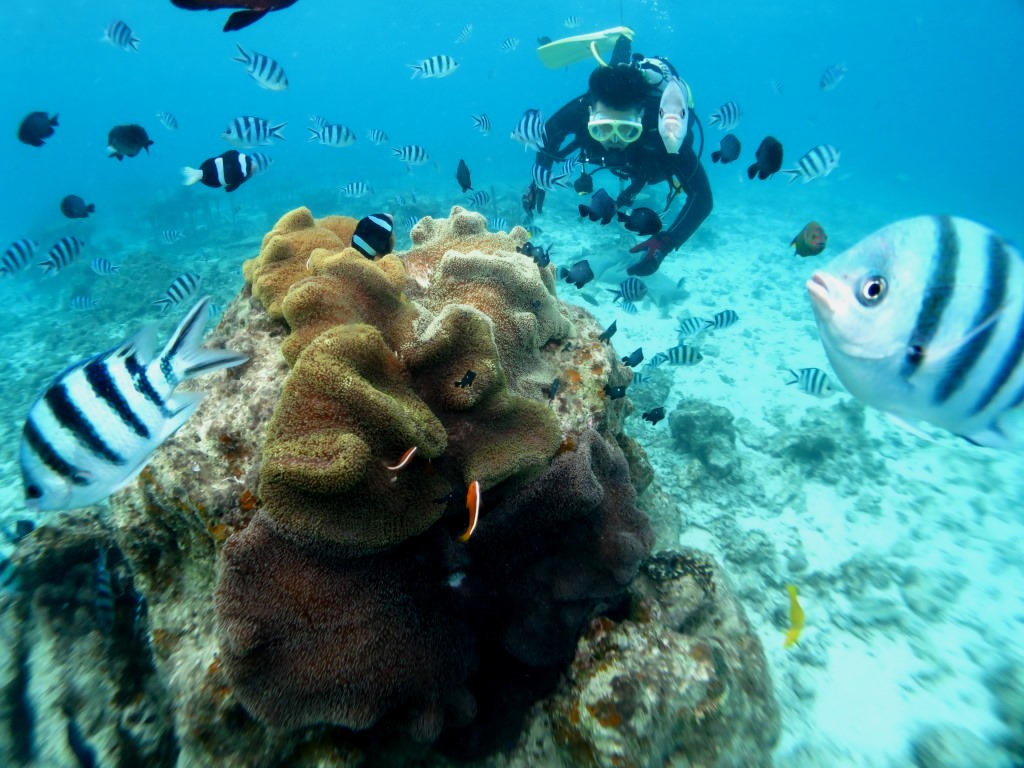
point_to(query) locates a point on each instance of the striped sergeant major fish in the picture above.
(682, 354)
(818, 162)
(120, 35)
(104, 266)
(465, 34)
(435, 66)
(260, 162)
(355, 189)
(924, 320)
(83, 303)
(530, 131)
(727, 117)
(832, 76)
(263, 69)
(167, 120)
(498, 224)
(629, 290)
(248, 131)
(509, 45)
(411, 154)
(60, 256)
(17, 256)
(171, 236)
(376, 135)
(318, 122)
(181, 290)
(333, 135)
(99, 422)
(546, 179)
(812, 381)
(722, 319)
(482, 122)
(691, 326)
(480, 197)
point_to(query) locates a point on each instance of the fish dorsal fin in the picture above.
(142, 344)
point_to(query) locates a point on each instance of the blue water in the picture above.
(928, 119)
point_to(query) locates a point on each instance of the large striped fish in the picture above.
(97, 425)
(924, 319)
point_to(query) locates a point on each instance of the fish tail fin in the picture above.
(91, 208)
(316, 134)
(275, 131)
(47, 267)
(183, 356)
(584, 210)
(134, 44)
(794, 374)
(715, 156)
(53, 120)
(752, 171)
(243, 55)
(793, 175)
(190, 176)
(417, 70)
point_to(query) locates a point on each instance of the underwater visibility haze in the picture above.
(596, 383)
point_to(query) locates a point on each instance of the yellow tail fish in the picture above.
(796, 618)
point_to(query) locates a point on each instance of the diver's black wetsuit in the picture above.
(645, 161)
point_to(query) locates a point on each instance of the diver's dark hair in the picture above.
(620, 87)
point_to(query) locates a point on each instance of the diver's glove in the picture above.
(654, 250)
(533, 199)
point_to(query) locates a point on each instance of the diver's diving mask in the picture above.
(604, 128)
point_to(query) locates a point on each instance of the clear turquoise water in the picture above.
(928, 119)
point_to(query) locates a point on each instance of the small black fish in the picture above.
(543, 40)
(553, 389)
(608, 332)
(466, 380)
(635, 358)
(74, 207)
(584, 185)
(654, 415)
(727, 151)
(36, 127)
(601, 208)
(614, 393)
(257, 9)
(128, 140)
(769, 159)
(541, 256)
(579, 274)
(462, 176)
(375, 235)
(643, 221)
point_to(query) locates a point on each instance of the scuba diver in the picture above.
(615, 126)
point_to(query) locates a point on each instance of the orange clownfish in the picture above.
(406, 458)
(796, 618)
(473, 506)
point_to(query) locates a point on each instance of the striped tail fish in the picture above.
(924, 320)
(97, 425)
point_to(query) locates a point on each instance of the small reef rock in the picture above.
(291, 584)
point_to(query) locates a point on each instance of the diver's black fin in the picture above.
(621, 53)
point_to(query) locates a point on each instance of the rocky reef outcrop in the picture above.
(294, 585)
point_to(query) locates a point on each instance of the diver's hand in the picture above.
(654, 250)
(624, 200)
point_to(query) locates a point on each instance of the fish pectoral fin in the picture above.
(184, 405)
(242, 19)
(913, 429)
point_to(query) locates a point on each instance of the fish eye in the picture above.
(872, 290)
(34, 492)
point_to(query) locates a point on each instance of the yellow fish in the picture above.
(796, 618)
